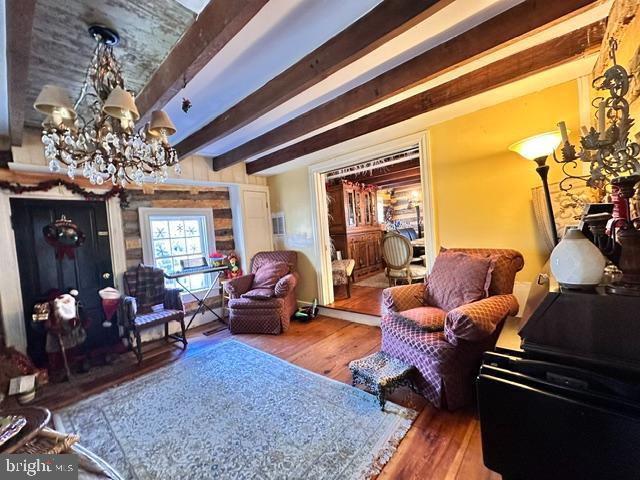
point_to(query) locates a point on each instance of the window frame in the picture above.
(144, 218)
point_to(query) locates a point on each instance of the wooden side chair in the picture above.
(148, 303)
(341, 271)
(398, 254)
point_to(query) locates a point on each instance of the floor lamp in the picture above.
(538, 148)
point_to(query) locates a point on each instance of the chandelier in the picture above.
(96, 135)
(608, 151)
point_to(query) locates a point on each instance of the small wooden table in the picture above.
(381, 374)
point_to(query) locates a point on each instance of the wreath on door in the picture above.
(64, 236)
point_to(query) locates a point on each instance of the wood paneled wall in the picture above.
(399, 200)
(215, 198)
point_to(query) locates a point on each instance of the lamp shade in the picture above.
(119, 104)
(159, 121)
(537, 146)
(55, 100)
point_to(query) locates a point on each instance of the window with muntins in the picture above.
(175, 236)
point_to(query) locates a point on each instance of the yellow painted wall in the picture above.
(481, 190)
(290, 194)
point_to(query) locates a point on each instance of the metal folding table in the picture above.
(186, 272)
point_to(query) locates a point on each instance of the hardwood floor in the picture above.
(363, 300)
(440, 444)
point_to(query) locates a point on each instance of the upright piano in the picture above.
(566, 405)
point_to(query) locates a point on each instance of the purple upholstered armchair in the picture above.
(446, 346)
(255, 309)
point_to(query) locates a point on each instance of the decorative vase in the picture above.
(576, 262)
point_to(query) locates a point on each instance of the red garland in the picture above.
(72, 187)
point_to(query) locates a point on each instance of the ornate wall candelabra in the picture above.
(608, 151)
(613, 167)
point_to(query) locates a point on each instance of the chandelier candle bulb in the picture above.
(585, 131)
(601, 120)
(563, 132)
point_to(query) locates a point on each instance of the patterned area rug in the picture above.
(379, 280)
(234, 412)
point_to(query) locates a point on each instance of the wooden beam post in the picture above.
(386, 21)
(516, 23)
(536, 59)
(215, 26)
(19, 24)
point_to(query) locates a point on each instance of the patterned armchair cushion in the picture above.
(478, 320)
(341, 270)
(458, 278)
(238, 286)
(428, 319)
(286, 285)
(287, 256)
(507, 264)
(268, 274)
(259, 294)
(404, 297)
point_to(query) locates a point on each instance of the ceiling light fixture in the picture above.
(105, 144)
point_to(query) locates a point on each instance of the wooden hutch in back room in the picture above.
(353, 226)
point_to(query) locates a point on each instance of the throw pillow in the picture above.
(259, 294)
(457, 279)
(427, 319)
(268, 274)
(149, 288)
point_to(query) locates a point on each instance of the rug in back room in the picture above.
(379, 280)
(234, 412)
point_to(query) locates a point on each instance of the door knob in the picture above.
(106, 275)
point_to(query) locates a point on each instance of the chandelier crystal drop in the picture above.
(96, 135)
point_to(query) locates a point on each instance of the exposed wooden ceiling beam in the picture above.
(215, 26)
(379, 178)
(383, 170)
(514, 24)
(19, 23)
(542, 57)
(386, 21)
(400, 183)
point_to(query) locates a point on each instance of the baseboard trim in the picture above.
(363, 318)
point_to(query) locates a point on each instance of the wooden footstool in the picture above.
(381, 374)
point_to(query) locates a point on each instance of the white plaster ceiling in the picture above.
(449, 22)
(278, 36)
(286, 30)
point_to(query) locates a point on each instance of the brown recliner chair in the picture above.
(270, 313)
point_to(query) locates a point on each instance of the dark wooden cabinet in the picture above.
(354, 228)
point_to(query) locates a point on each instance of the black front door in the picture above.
(41, 272)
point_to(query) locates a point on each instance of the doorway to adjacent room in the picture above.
(366, 200)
